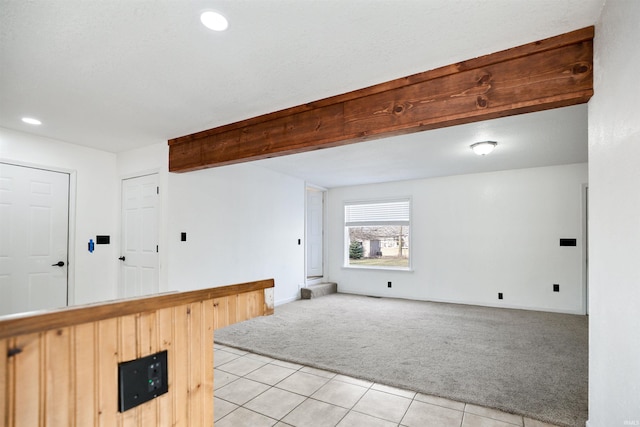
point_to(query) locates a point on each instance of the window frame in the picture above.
(346, 239)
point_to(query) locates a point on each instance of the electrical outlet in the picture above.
(556, 287)
(499, 295)
(388, 284)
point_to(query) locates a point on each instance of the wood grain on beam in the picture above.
(550, 73)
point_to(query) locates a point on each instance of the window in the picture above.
(377, 234)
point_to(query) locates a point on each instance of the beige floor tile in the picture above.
(302, 383)
(318, 372)
(313, 413)
(383, 405)
(340, 393)
(493, 413)
(281, 424)
(289, 365)
(233, 350)
(275, 403)
(241, 391)
(241, 366)
(528, 422)
(220, 357)
(221, 408)
(422, 414)
(259, 357)
(242, 417)
(440, 401)
(472, 420)
(222, 378)
(356, 419)
(355, 381)
(270, 374)
(394, 390)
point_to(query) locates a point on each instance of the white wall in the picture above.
(473, 236)
(614, 175)
(242, 222)
(93, 274)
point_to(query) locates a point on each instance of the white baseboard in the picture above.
(286, 300)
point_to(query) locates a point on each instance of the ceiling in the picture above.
(122, 74)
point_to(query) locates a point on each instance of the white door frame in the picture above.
(585, 244)
(71, 240)
(313, 187)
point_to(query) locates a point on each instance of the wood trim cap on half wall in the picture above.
(550, 73)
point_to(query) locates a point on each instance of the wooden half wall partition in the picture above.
(550, 73)
(60, 367)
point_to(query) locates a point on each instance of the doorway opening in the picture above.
(315, 198)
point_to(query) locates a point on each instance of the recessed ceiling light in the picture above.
(214, 21)
(484, 147)
(31, 121)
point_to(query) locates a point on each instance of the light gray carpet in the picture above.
(525, 362)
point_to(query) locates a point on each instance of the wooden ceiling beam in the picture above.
(551, 73)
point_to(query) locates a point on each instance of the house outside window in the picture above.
(377, 234)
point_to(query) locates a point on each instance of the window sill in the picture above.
(358, 267)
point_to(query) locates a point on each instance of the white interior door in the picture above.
(314, 237)
(34, 234)
(139, 260)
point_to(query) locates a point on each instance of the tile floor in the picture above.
(255, 391)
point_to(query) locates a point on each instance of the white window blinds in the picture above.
(362, 214)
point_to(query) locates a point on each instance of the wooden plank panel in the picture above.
(232, 309)
(148, 344)
(107, 373)
(241, 307)
(128, 350)
(257, 305)
(196, 366)
(4, 383)
(180, 366)
(72, 371)
(165, 342)
(84, 374)
(250, 305)
(28, 381)
(58, 375)
(207, 354)
(550, 73)
(221, 312)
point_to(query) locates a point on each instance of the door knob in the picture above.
(58, 264)
(121, 258)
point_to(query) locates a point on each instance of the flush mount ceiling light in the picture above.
(214, 21)
(31, 121)
(484, 147)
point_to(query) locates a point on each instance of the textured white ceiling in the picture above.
(122, 74)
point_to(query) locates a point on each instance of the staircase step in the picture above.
(314, 291)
